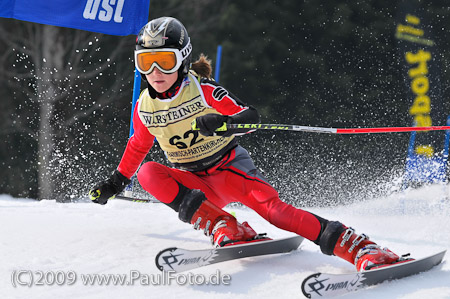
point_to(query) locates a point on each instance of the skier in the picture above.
(210, 169)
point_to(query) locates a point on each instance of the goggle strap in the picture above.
(186, 50)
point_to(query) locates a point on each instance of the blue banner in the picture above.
(115, 17)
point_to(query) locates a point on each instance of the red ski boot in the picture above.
(222, 227)
(360, 251)
(341, 241)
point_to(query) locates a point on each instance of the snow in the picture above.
(123, 237)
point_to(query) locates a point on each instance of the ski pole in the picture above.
(334, 130)
(134, 199)
(280, 127)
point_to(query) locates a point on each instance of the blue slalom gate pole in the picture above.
(218, 58)
(136, 91)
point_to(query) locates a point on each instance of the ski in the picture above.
(179, 260)
(327, 285)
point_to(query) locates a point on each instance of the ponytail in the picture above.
(202, 66)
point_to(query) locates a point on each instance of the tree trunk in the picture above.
(50, 61)
(45, 146)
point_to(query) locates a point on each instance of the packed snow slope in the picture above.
(120, 238)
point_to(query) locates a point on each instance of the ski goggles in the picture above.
(166, 60)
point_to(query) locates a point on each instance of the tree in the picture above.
(54, 73)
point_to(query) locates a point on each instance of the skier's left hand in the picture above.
(101, 192)
(209, 123)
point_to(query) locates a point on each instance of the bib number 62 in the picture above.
(190, 137)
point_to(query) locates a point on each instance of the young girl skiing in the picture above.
(210, 169)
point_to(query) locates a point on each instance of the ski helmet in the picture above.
(167, 33)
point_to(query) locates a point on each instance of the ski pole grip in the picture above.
(222, 128)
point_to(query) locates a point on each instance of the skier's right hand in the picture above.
(209, 123)
(101, 192)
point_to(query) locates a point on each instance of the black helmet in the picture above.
(167, 32)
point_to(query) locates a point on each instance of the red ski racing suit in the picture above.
(225, 175)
